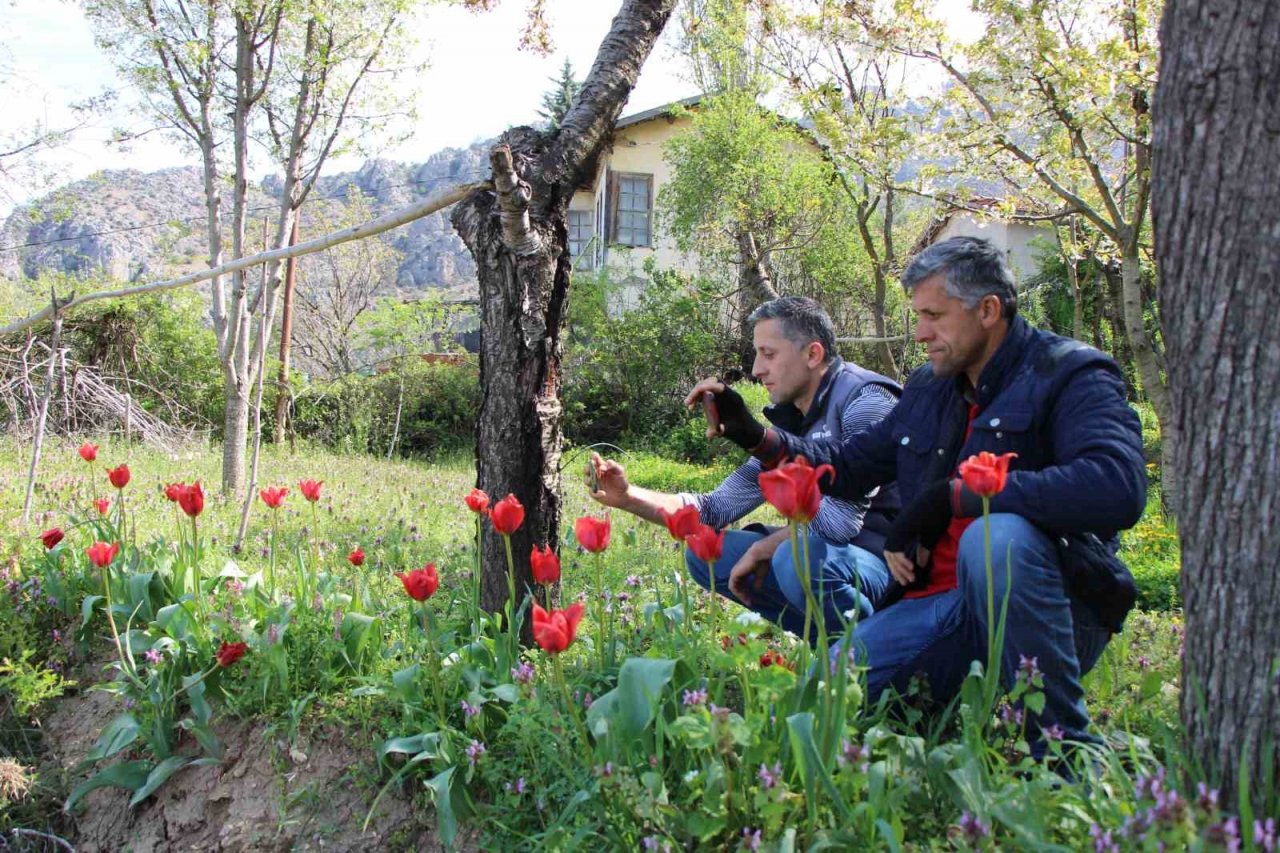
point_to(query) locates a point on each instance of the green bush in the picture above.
(626, 374)
(357, 413)
(1152, 552)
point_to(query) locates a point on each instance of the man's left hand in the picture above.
(923, 521)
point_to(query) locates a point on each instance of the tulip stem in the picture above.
(476, 567)
(715, 603)
(271, 564)
(111, 619)
(434, 658)
(600, 626)
(571, 707)
(512, 609)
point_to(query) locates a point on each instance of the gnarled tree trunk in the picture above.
(517, 234)
(1216, 214)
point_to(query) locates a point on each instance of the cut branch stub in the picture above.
(513, 204)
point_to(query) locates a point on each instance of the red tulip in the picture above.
(592, 532)
(477, 501)
(706, 544)
(172, 491)
(985, 473)
(191, 499)
(273, 496)
(682, 523)
(555, 631)
(356, 557)
(51, 538)
(310, 489)
(545, 565)
(101, 554)
(229, 653)
(421, 583)
(103, 504)
(88, 452)
(119, 477)
(772, 657)
(507, 515)
(792, 489)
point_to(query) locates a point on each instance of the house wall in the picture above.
(636, 149)
(1015, 239)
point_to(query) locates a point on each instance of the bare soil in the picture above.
(267, 794)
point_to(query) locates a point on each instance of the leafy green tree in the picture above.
(556, 102)
(1053, 103)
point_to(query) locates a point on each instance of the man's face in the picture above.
(788, 372)
(954, 336)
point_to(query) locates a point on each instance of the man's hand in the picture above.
(611, 486)
(922, 522)
(747, 575)
(736, 421)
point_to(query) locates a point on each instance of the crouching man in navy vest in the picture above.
(816, 395)
(993, 383)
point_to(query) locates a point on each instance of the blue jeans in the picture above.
(940, 635)
(844, 578)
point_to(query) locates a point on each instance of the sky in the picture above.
(477, 83)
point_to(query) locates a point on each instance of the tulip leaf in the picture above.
(158, 776)
(128, 774)
(118, 734)
(628, 709)
(450, 803)
(406, 680)
(357, 631)
(804, 749)
(427, 744)
(176, 621)
(140, 594)
(231, 570)
(86, 608)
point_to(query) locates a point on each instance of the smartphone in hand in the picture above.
(711, 412)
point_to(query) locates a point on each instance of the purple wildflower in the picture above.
(972, 827)
(693, 698)
(750, 840)
(475, 749)
(769, 778)
(153, 656)
(469, 710)
(523, 674)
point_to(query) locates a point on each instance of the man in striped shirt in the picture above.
(815, 395)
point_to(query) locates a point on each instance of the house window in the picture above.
(581, 230)
(633, 210)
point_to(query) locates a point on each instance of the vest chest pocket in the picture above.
(915, 447)
(1003, 431)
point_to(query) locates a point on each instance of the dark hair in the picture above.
(973, 269)
(802, 322)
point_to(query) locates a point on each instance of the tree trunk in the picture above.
(518, 235)
(1216, 215)
(755, 286)
(1148, 364)
(1111, 301)
(235, 429)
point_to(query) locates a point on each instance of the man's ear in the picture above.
(990, 310)
(815, 355)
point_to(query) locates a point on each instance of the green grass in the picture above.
(669, 782)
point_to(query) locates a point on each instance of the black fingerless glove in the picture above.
(924, 520)
(740, 426)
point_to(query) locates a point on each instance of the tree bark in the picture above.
(518, 235)
(1216, 215)
(284, 396)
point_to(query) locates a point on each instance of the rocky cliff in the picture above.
(138, 226)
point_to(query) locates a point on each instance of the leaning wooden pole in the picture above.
(395, 219)
(56, 309)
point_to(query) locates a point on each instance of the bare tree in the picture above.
(336, 287)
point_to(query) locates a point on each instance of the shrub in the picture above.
(626, 374)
